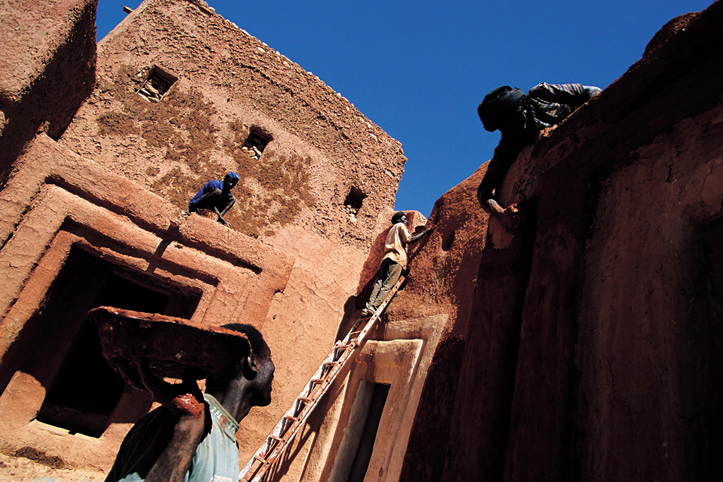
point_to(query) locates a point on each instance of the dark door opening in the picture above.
(62, 350)
(86, 390)
(708, 322)
(369, 434)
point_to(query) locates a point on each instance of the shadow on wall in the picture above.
(60, 349)
(46, 107)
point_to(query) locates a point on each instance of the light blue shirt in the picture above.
(215, 459)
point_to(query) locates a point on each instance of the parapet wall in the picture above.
(228, 84)
(591, 348)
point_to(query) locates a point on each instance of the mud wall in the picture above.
(590, 348)
(84, 234)
(228, 83)
(103, 208)
(320, 191)
(579, 342)
(47, 69)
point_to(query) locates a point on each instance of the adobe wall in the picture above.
(114, 190)
(292, 198)
(229, 82)
(47, 69)
(580, 342)
(591, 348)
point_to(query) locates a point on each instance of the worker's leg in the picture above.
(208, 201)
(369, 307)
(388, 276)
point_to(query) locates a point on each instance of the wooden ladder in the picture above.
(286, 429)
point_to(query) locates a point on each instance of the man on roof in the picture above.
(216, 196)
(520, 117)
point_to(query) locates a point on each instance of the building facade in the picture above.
(580, 343)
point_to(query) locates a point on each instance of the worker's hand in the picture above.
(183, 399)
(512, 209)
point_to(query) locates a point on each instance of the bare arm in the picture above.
(185, 401)
(225, 210)
(418, 236)
(176, 459)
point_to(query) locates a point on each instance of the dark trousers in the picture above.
(210, 200)
(389, 274)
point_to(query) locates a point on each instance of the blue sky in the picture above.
(419, 69)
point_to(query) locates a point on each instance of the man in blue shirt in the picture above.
(520, 117)
(191, 438)
(216, 196)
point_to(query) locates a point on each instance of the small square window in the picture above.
(156, 85)
(256, 142)
(353, 203)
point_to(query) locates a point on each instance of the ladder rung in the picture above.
(341, 354)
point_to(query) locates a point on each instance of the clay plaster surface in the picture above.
(227, 84)
(75, 205)
(399, 354)
(582, 327)
(587, 327)
(641, 277)
(117, 184)
(32, 33)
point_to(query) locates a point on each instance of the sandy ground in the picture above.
(23, 469)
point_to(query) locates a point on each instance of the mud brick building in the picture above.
(583, 344)
(115, 140)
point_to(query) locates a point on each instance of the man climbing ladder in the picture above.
(267, 457)
(394, 261)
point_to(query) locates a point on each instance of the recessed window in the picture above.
(61, 349)
(447, 240)
(256, 142)
(156, 85)
(353, 203)
(375, 408)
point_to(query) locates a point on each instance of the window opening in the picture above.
(369, 434)
(353, 203)
(255, 143)
(709, 322)
(156, 85)
(447, 241)
(61, 350)
(86, 390)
